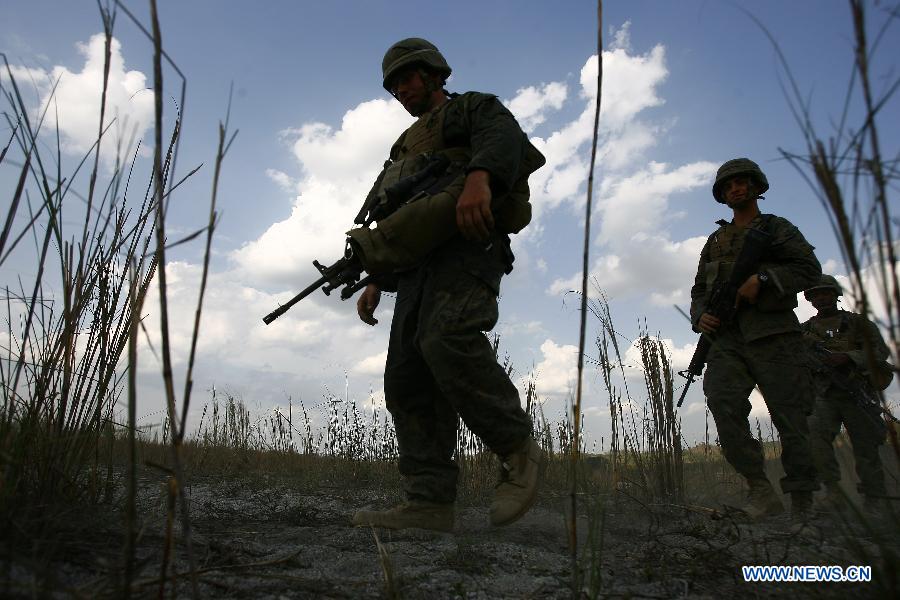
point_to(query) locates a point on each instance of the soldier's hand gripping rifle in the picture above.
(722, 300)
(347, 270)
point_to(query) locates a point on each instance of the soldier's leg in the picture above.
(459, 303)
(424, 421)
(727, 386)
(867, 432)
(824, 425)
(786, 385)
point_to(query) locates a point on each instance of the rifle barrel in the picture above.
(287, 305)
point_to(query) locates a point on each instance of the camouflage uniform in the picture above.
(761, 346)
(845, 332)
(440, 366)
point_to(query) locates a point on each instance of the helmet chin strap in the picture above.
(432, 81)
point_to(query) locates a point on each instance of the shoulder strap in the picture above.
(846, 324)
(765, 222)
(807, 325)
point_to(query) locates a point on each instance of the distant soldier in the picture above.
(445, 254)
(846, 379)
(762, 345)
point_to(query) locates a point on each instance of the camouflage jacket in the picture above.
(789, 262)
(480, 123)
(473, 131)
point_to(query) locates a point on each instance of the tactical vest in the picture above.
(843, 333)
(406, 237)
(725, 247)
(832, 332)
(425, 139)
(410, 153)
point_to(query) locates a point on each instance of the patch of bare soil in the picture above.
(267, 538)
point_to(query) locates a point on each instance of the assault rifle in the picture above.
(347, 270)
(721, 301)
(856, 388)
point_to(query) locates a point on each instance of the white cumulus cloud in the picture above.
(74, 105)
(631, 83)
(531, 104)
(556, 373)
(338, 168)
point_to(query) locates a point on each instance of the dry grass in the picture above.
(68, 327)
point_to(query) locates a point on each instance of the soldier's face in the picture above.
(737, 190)
(821, 298)
(412, 92)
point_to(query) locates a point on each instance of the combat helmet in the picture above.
(739, 166)
(412, 51)
(829, 282)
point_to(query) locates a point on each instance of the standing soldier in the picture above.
(762, 345)
(445, 254)
(845, 391)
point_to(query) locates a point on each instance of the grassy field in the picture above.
(270, 521)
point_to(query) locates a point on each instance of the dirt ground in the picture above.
(265, 537)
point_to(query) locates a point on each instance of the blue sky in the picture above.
(688, 85)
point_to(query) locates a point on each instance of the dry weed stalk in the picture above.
(60, 369)
(645, 452)
(391, 581)
(585, 267)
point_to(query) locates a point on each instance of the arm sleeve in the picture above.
(794, 265)
(388, 282)
(879, 348)
(497, 141)
(698, 290)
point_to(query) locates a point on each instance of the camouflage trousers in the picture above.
(777, 365)
(441, 368)
(867, 432)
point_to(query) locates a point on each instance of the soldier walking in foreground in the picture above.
(762, 344)
(445, 254)
(846, 379)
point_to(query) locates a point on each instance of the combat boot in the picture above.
(517, 490)
(801, 505)
(762, 501)
(414, 513)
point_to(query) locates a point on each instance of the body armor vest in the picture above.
(832, 332)
(424, 140)
(843, 333)
(724, 248)
(411, 153)
(408, 235)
